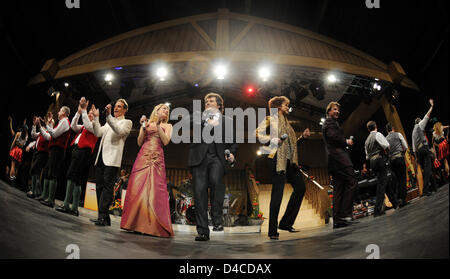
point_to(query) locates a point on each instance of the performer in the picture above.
(420, 147)
(16, 149)
(83, 146)
(208, 166)
(109, 156)
(38, 161)
(340, 167)
(146, 207)
(397, 149)
(58, 138)
(375, 147)
(440, 143)
(284, 166)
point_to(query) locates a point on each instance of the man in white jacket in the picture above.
(109, 157)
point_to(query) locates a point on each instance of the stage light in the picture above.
(332, 78)
(196, 85)
(167, 104)
(161, 73)
(250, 89)
(264, 73)
(220, 71)
(118, 68)
(259, 153)
(109, 77)
(66, 84)
(377, 86)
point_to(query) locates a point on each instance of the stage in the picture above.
(30, 230)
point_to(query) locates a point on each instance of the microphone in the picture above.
(227, 154)
(105, 109)
(143, 122)
(284, 136)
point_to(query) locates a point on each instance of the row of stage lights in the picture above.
(220, 71)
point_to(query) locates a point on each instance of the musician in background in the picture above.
(284, 165)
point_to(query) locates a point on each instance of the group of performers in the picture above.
(146, 208)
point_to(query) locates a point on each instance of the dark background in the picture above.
(413, 33)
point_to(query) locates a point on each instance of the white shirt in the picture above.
(86, 123)
(63, 126)
(381, 140)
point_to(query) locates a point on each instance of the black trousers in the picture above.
(105, 177)
(55, 162)
(425, 161)
(399, 169)
(383, 185)
(78, 164)
(38, 162)
(345, 186)
(209, 173)
(294, 177)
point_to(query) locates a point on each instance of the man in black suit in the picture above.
(340, 168)
(208, 162)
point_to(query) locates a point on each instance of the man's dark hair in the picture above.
(389, 127)
(371, 125)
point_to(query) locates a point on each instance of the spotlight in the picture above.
(167, 104)
(332, 78)
(118, 68)
(250, 89)
(259, 153)
(264, 73)
(109, 77)
(66, 84)
(161, 73)
(220, 71)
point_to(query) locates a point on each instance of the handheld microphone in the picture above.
(105, 109)
(143, 122)
(284, 136)
(351, 138)
(227, 154)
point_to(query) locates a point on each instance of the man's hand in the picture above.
(95, 111)
(108, 109)
(350, 142)
(230, 158)
(432, 102)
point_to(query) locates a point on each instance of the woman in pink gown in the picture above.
(146, 207)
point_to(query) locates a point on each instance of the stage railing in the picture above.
(318, 197)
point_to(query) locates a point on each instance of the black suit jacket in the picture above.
(338, 157)
(197, 151)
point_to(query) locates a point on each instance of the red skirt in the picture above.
(16, 153)
(443, 151)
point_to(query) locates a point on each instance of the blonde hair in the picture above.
(437, 128)
(330, 106)
(277, 101)
(154, 115)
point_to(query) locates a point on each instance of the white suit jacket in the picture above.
(113, 134)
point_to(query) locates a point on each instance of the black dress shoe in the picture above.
(218, 228)
(289, 229)
(48, 203)
(103, 222)
(274, 236)
(74, 212)
(31, 195)
(340, 224)
(202, 237)
(379, 214)
(93, 220)
(39, 198)
(404, 204)
(63, 209)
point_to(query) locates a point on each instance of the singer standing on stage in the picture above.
(208, 163)
(284, 165)
(340, 167)
(109, 156)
